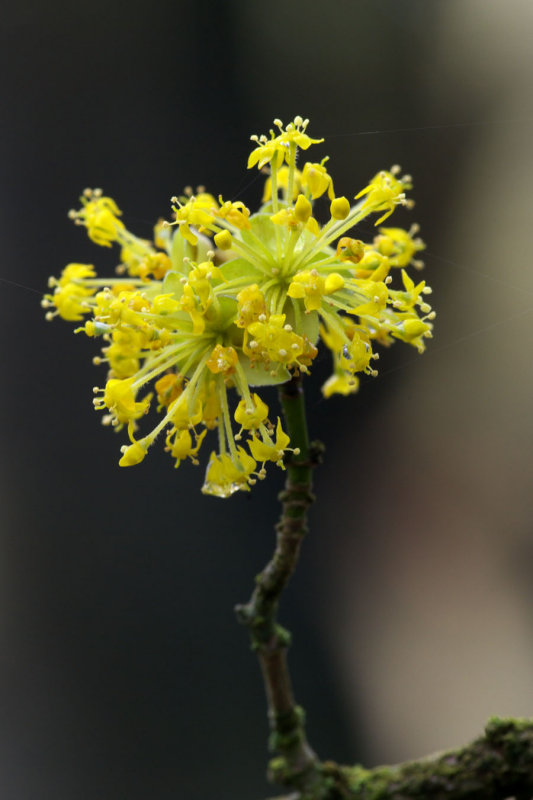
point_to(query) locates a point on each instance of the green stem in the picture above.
(296, 765)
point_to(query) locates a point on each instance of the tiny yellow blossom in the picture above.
(316, 179)
(343, 383)
(226, 475)
(180, 446)
(251, 415)
(268, 450)
(235, 213)
(310, 286)
(222, 360)
(384, 192)
(119, 398)
(277, 148)
(132, 455)
(223, 240)
(339, 208)
(100, 215)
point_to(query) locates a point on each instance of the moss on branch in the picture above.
(496, 766)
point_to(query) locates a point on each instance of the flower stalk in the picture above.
(295, 764)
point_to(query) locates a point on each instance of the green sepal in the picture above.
(264, 229)
(178, 251)
(303, 324)
(240, 268)
(225, 315)
(172, 284)
(260, 375)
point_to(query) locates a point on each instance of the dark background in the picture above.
(123, 673)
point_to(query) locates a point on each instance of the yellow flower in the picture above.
(277, 148)
(339, 208)
(119, 398)
(251, 306)
(197, 211)
(100, 216)
(350, 249)
(273, 340)
(251, 415)
(316, 180)
(226, 474)
(399, 246)
(235, 213)
(222, 360)
(206, 329)
(384, 192)
(70, 301)
(132, 455)
(342, 383)
(312, 287)
(223, 240)
(74, 272)
(179, 444)
(168, 389)
(267, 450)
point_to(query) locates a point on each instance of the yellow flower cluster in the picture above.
(225, 299)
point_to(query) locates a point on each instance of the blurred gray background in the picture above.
(123, 674)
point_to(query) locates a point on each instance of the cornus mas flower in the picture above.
(223, 299)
